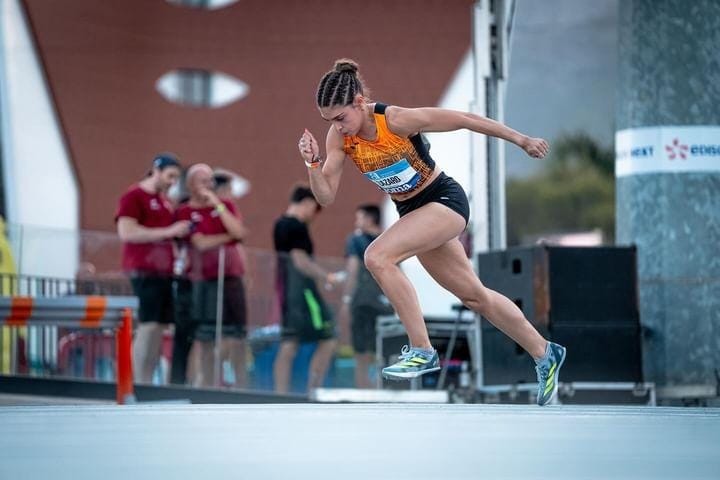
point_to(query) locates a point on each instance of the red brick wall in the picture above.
(102, 59)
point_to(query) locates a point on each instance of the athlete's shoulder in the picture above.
(393, 111)
(399, 120)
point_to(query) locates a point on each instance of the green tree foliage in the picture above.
(575, 191)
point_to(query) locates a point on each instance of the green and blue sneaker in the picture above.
(413, 363)
(548, 372)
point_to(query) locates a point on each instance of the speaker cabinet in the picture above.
(585, 298)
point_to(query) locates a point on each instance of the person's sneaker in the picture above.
(413, 363)
(548, 373)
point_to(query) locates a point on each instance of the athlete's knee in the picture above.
(376, 259)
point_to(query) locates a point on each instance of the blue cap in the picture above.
(165, 160)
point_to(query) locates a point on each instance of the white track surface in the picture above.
(365, 442)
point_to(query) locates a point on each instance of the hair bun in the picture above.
(346, 65)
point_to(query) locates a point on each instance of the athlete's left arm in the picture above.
(408, 121)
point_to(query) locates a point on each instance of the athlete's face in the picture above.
(347, 120)
(167, 177)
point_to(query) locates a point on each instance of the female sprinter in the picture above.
(386, 145)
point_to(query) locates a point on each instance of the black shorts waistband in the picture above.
(443, 190)
(432, 186)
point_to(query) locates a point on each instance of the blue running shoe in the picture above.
(548, 373)
(413, 363)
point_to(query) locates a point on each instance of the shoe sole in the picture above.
(557, 376)
(408, 375)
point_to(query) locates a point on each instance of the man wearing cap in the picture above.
(145, 225)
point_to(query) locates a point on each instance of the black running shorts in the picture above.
(444, 190)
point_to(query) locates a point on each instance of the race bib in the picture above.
(399, 177)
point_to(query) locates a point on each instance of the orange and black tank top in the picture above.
(395, 164)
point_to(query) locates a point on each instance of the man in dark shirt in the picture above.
(305, 317)
(362, 299)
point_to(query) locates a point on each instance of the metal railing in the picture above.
(80, 312)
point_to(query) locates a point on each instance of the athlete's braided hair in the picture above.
(340, 85)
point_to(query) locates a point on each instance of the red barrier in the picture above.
(85, 312)
(123, 350)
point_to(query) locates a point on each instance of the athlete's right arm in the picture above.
(325, 180)
(130, 231)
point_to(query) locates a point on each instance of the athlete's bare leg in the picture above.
(449, 266)
(421, 230)
(431, 232)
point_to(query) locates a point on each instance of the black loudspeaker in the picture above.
(600, 353)
(592, 285)
(504, 361)
(585, 298)
(521, 275)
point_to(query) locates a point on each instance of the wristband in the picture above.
(346, 299)
(315, 163)
(220, 207)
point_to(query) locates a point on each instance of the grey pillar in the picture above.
(668, 180)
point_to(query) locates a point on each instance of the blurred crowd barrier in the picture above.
(44, 262)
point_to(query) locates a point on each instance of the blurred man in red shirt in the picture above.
(145, 225)
(215, 226)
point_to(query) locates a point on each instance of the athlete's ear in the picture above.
(359, 101)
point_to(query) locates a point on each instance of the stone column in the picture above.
(668, 180)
